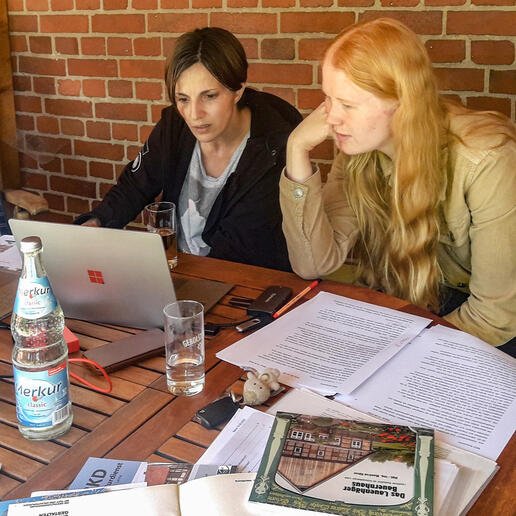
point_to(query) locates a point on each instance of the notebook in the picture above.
(112, 275)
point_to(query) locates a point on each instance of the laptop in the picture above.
(112, 275)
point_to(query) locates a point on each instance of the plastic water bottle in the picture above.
(40, 353)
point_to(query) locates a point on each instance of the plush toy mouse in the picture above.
(258, 387)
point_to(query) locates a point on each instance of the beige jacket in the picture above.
(477, 252)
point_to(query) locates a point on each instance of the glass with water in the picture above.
(184, 347)
(160, 217)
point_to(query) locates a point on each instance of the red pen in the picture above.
(296, 298)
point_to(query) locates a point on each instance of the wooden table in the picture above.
(140, 420)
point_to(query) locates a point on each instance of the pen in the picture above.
(296, 298)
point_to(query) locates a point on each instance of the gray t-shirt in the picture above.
(197, 197)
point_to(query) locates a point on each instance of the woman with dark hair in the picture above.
(422, 195)
(217, 153)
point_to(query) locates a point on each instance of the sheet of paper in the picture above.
(445, 475)
(449, 381)
(10, 258)
(241, 442)
(474, 471)
(328, 344)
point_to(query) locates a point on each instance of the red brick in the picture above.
(50, 163)
(66, 45)
(76, 205)
(99, 150)
(313, 49)
(58, 23)
(69, 87)
(316, 3)
(47, 124)
(139, 68)
(26, 103)
(125, 132)
(61, 5)
(460, 79)
(278, 48)
(502, 81)
(119, 47)
(72, 127)
(509, 3)
(47, 144)
(98, 130)
(55, 202)
(45, 85)
(156, 110)
(492, 52)
(147, 46)
(284, 93)
(114, 5)
(135, 112)
(147, 5)
(119, 168)
(120, 23)
(92, 67)
(355, 3)
(104, 188)
(168, 46)
(145, 131)
(204, 4)
(93, 88)
(421, 22)
(22, 83)
(278, 3)
(325, 150)
(33, 180)
(149, 90)
(18, 43)
(72, 186)
(309, 99)
(175, 4)
(42, 66)
(246, 23)
(250, 47)
(328, 23)
(15, 5)
(85, 5)
(40, 44)
(27, 161)
(75, 167)
(325, 170)
(99, 169)
(444, 2)
(503, 105)
(492, 23)
(242, 3)
(120, 89)
(176, 22)
(37, 5)
(280, 73)
(24, 122)
(399, 3)
(23, 23)
(446, 51)
(132, 152)
(68, 107)
(93, 46)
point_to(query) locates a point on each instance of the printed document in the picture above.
(328, 344)
(450, 381)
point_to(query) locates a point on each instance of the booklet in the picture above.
(339, 466)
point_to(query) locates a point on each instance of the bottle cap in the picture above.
(29, 244)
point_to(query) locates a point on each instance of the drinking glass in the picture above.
(160, 217)
(184, 347)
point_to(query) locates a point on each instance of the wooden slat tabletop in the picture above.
(141, 420)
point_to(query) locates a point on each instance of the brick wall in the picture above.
(88, 73)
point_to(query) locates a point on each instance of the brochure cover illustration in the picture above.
(345, 467)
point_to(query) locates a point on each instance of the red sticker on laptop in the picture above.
(96, 276)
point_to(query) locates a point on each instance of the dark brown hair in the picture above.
(217, 49)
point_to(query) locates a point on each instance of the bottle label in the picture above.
(34, 298)
(42, 397)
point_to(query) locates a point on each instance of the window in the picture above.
(350, 456)
(337, 441)
(356, 443)
(308, 437)
(296, 434)
(323, 436)
(298, 450)
(320, 453)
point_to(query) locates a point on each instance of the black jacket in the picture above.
(244, 224)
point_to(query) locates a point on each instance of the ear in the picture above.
(240, 92)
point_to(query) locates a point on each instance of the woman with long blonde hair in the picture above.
(422, 195)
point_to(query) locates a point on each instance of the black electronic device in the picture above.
(218, 412)
(271, 299)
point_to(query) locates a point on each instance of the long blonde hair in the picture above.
(399, 216)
